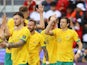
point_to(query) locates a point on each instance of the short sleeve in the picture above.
(26, 35)
(42, 41)
(75, 36)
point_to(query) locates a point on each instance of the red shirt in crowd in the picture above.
(32, 5)
(62, 5)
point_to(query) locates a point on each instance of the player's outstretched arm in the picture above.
(12, 45)
(41, 25)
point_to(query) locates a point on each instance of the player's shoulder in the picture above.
(72, 30)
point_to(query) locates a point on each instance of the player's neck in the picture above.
(64, 29)
(32, 32)
(19, 27)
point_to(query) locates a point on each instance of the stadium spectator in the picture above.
(38, 1)
(62, 5)
(69, 11)
(30, 5)
(46, 4)
(35, 15)
(77, 16)
(25, 11)
(85, 35)
(53, 11)
(80, 1)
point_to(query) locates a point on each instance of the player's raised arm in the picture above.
(47, 30)
(41, 25)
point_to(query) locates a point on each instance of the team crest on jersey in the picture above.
(67, 37)
(24, 36)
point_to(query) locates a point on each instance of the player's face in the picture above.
(31, 26)
(63, 23)
(17, 20)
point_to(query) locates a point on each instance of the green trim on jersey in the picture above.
(64, 63)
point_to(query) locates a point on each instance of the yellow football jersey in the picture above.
(65, 41)
(35, 42)
(11, 27)
(51, 47)
(19, 55)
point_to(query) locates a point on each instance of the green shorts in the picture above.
(49, 64)
(8, 60)
(64, 63)
(24, 64)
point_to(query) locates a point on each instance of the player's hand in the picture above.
(40, 9)
(77, 56)
(3, 44)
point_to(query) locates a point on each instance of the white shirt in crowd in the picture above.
(50, 13)
(36, 16)
(38, 1)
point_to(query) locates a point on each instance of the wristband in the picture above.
(79, 51)
(47, 62)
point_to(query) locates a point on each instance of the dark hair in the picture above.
(53, 3)
(31, 20)
(67, 20)
(19, 13)
(23, 9)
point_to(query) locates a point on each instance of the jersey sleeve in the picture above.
(26, 35)
(75, 36)
(42, 41)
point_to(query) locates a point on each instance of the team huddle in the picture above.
(23, 43)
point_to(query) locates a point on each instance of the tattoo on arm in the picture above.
(16, 45)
